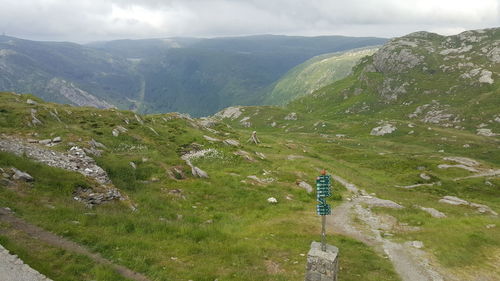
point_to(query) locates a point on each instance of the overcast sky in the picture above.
(90, 20)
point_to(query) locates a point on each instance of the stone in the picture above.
(32, 102)
(95, 144)
(208, 138)
(425, 176)
(433, 212)
(452, 200)
(57, 140)
(272, 200)
(20, 175)
(197, 172)
(231, 142)
(132, 164)
(45, 141)
(306, 186)
(291, 116)
(322, 265)
(486, 77)
(230, 112)
(383, 130)
(485, 132)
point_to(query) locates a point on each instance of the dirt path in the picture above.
(410, 263)
(57, 241)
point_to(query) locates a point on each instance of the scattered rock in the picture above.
(132, 164)
(306, 186)
(433, 212)
(57, 140)
(489, 226)
(486, 77)
(231, 142)
(260, 155)
(245, 155)
(383, 130)
(31, 102)
(197, 172)
(272, 200)
(291, 116)
(20, 175)
(45, 141)
(425, 176)
(485, 132)
(230, 112)
(452, 200)
(208, 138)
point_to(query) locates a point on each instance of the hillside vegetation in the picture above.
(314, 74)
(411, 136)
(190, 75)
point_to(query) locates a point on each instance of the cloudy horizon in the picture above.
(90, 20)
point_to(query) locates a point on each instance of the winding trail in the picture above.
(410, 263)
(63, 243)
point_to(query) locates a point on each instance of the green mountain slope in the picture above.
(439, 93)
(314, 74)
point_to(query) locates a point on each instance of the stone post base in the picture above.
(322, 266)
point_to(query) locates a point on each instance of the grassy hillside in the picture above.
(314, 74)
(184, 227)
(441, 94)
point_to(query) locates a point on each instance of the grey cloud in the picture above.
(86, 20)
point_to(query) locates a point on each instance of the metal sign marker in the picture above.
(323, 190)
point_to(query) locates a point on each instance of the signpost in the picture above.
(323, 190)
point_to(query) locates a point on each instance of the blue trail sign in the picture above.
(323, 190)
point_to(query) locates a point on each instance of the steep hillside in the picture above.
(416, 123)
(196, 76)
(66, 73)
(315, 74)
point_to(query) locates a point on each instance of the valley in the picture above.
(411, 137)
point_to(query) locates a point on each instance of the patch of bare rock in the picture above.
(453, 200)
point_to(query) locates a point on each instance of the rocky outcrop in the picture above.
(291, 116)
(231, 112)
(74, 160)
(77, 96)
(396, 56)
(383, 130)
(453, 200)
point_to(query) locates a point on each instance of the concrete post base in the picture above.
(322, 266)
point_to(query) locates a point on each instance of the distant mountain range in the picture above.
(191, 75)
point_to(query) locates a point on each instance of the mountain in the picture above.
(410, 137)
(66, 72)
(196, 76)
(314, 74)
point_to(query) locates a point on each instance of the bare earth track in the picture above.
(57, 241)
(411, 264)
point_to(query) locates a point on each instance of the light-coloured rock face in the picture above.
(272, 200)
(232, 112)
(396, 56)
(383, 130)
(74, 94)
(453, 200)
